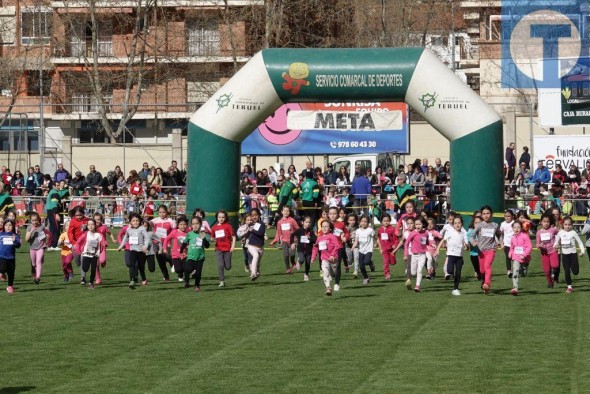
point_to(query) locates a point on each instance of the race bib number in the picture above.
(423, 240)
(565, 240)
(92, 244)
(323, 246)
(430, 237)
(304, 239)
(107, 221)
(133, 240)
(161, 232)
(285, 227)
(257, 227)
(545, 237)
(488, 232)
(7, 241)
(198, 242)
(41, 236)
(384, 237)
(181, 239)
(219, 233)
(454, 250)
(363, 239)
(337, 232)
(519, 250)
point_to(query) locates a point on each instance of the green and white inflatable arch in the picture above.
(276, 76)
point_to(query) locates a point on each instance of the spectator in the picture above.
(574, 175)
(109, 184)
(540, 176)
(61, 174)
(319, 176)
(17, 183)
(93, 181)
(39, 179)
(135, 188)
(559, 175)
(262, 182)
(417, 178)
(308, 168)
(272, 175)
(331, 176)
(429, 179)
(586, 171)
(47, 184)
(525, 157)
(31, 183)
(403, 193)
(78, 184)
(156, 179)
(144, 172)
(437, 165)
(424, 165)
(6, 176)
(132, 177)
(343, 178)
(183, 174)
(523, 171)
(361, 189)
(170, 180)
(444, 174)
(286, 193)
(247, 172)
(510, 160)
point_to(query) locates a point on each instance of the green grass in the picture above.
(280, 334)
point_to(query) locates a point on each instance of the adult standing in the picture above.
(272, 175)
(586, 171)
(310, 191)
(38, 179)
(424, 165)
(510, 161)
(525, 157)
(286, 193)
(330, 176)
(93, 181)
(437, 165)
(403, 193)
(574, 175)
(361, 189)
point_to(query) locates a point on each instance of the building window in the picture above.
(34, 83)
(35, 26)
(203, 37)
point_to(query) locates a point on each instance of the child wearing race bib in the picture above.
(89, 246)
(586, 231)
(447, 227)
(352, 254)
(196, 241)
(340, 231)
(285, 227)
(456, 241)
(549, 257)
(386, 241)
(520, 253)
(507, 232)
(173, 240)
(242, 231)
(66, 253)
(473, 249)
(163, 226)
(225, 241)
(256, 237)
(323, 218)
(305, 238)
(327, 246)
(409, 224)
(434, 238)
(364, 241)
(567, 239)
(486, 236)
(39, 239)
(198, 212)
(150, 256)
(103, 230)
(138, 240)
(9, 242)
(417, 242)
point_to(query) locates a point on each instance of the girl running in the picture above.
(103, 230)
(174, 239)
(225, 241)
(196, 241)
(9, 242)
(473, 249)
(242, 231)
(352, 254)
(520, 253)
(507, 232)
(434, 238)
(549, 257)
(486, 237)
(138, 240)
(150, 256)
(567, 239)
(255, 237)
(340, 231)
(456, 241)
(75, 230)
(163, 226)
(285, 227)
(66, 253)
(39, 239)
(305, 239)
(409, 225)
(89, 246)
(364, 241)
(417, 244)
(387, 240)
(328, 247)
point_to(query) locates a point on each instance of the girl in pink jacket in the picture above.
(549, 257)
(328, 246)
(520, 253)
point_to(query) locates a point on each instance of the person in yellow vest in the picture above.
(273, 205)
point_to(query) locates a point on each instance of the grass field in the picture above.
(280, 334)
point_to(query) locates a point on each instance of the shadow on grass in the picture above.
(338, 297)
(14, 390)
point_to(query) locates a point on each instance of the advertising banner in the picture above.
(332, 128)
(562, 149)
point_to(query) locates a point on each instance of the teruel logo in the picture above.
(223, 101)
(535, 34)
(428, 100)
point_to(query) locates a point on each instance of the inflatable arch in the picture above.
(276, 76)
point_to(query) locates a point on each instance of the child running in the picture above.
(225, 241)
(173, 240)
(138, 240)
(456, 241)
(103, 230)
(327, 246)
(409, 225)
(66, 253)
(285, 227)
(163, 226)
(305, 239)
(507, 232)
(434, 238)
(241, 233)
(89, 246)
(196, 241)
(387, 240)
(567, 239)
(364, 241)
(417, 244)
(549, 257)
(9, 242)
(473, 249)
(340, 231)
(255, 235)
(150, 256)
(520, 253)
(39, 239)
(352, 254)
(486, 237)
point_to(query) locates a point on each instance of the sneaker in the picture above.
(197, 289)
(91, 287)
(253, 277)
(144, 282)
(71, 275)
(525, 271)
(132, 285)
(355, 274)
(246, 269)
(347, 269)
(408, 284)
(221, 284)
(514, 292)
(336, 287)
(321, 274)
(305, 278)
(509, 274)
(187, 285)
(66, 279)
(387, 277)
(417, 289)
(36, 281)
(569, 289)
(83, 281)
(166, 279)
(98, 282)
(288, 271)
(3, 277)
(428, 277)
(298, 266)
(549, 285)
(366, 281)
(456, 292)
(172, 269)
(180, 279)
(10, 289)
(328, 291)
(486, 288)
(447, 276)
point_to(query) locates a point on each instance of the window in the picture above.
(203, 37)
(7, 25)
(34, 85)
(35, 26)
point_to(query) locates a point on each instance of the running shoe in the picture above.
(514, 292)
(486, 288)
(10, 289)
(328, 291)
(305, 278)
(336, 287)
(408, 284)
(456, 292)
(132, 285)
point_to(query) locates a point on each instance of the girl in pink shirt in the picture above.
(409, 224)
(175, 240)
(285, 227)
(163, 226)
(387, 241)
(327, 246)
(103, 230)
(549, 257)
(434, 238)
(418, 245)
(520, 253)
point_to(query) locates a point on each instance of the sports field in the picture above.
(280, 334)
